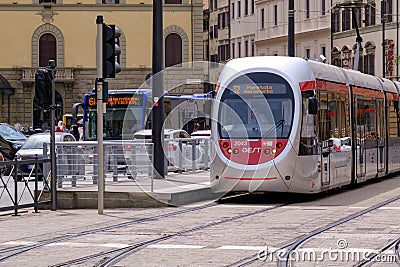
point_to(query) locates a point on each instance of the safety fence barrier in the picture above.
(77, 162)
(20, 189)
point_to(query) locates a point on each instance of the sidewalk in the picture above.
(142, 192)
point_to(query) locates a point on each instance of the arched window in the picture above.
(336, 57)
(173, 50)
(47, 49)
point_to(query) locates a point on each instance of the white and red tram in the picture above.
(286, 124)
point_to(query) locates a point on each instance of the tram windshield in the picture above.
(123, 116)
(256, 106)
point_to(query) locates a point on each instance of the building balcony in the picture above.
(63, 75)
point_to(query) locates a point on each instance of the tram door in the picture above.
(360, 131)
(381, 137)
(324, 135)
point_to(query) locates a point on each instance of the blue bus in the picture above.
(129, 110)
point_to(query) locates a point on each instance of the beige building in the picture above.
(375, 59)
(35, 31)
(312, 28)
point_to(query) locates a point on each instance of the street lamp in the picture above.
(359, 39)
(383, 20)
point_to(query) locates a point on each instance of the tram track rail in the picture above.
(291, 246)
(394, 244)
(10, 252)
(121, 253)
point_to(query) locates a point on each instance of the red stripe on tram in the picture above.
(307, 85)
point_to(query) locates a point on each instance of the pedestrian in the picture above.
(45, 126)
(60, 127)
(75, 132)
(80, 130)
(196, 127)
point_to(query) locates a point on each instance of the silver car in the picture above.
(34, 146)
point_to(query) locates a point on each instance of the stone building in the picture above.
(35, 31)
(379, 32)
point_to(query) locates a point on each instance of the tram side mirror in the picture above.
(312, 105)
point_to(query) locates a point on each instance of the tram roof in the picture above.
(388, 85)
(362, 80)
(327, 72)
(290, 66)
(397, 84)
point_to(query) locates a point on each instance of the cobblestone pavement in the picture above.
(218, 245)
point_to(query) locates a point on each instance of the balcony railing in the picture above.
(65, 75)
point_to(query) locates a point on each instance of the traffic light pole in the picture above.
(99, 93)
(291, 44)
(158, 90)
(53, 167)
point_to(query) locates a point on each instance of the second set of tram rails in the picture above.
(321, 126)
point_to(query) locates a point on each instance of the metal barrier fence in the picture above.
(16, 188)
(78, 161)
(22, 182)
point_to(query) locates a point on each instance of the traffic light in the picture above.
(43, 87)
(111, 50)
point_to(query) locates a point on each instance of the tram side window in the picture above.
(393, 118)
(371, 129)
(308, 138)
(334, 121)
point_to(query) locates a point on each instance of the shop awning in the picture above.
(5, 86)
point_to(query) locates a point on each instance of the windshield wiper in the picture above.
(277, 124)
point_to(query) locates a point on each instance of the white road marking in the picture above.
(257, 248)
(175, 246)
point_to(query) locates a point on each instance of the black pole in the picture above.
(291, 29)
(53, 167)
(158, 90)
(358, 40)
(383, 21)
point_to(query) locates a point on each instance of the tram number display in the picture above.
(263, 88)
(117, 101)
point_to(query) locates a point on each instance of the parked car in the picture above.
(11, 140)
(34, 146)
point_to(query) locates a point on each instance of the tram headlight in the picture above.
(279, 145)
(229, 150)
(273, 150)
(266, 151)
(236, 151)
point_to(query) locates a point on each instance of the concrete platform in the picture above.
(141, 192)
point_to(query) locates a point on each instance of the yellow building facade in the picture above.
(36, 30)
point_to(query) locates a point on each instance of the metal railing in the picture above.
(62, 74)
(16, 188)
(77, 162)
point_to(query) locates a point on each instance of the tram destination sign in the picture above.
(118, 100)
(259, 88)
